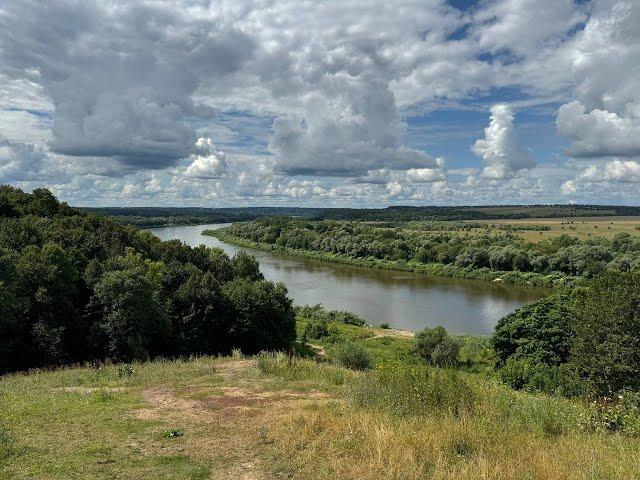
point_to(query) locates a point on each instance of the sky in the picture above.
(349, 103)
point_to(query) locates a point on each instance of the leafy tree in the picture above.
(539, 332)
(200, 316)
(263, 315)
(246, 266)
(131, 323)
(77, 287)
(606, 351)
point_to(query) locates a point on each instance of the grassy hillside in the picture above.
(276, 417)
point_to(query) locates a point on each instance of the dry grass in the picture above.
(581, 227)
(334, 442)
(275, 419)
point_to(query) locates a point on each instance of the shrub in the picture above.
(384, 326)
(347, 318)
(436, 346)
(316, 329)
(524, 374)
(476, 353)
(352, 355)
(318, 312)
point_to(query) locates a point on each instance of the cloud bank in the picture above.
(343, 103)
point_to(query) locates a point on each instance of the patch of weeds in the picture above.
(201, 472)
(236, 354)
(125, 371)
(408, 390)
(7, 444)
(263, 435)
(614, 414)
(103, 396)
(293, 368)
(461, 447)
(552, 425)
(173, 433)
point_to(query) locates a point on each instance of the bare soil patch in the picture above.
(225, 422)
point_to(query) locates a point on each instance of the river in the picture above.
(405, 300)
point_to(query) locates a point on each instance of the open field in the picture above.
(581, 227)
(272, 418)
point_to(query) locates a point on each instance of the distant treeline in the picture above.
(166, 216)
(459, 254)
(78, 287)
(507, 212)
(163, 216)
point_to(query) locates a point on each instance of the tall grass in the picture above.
(414, 390)
(419, 422)
(292, 368)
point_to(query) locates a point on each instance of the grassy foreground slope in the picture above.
(273, 417)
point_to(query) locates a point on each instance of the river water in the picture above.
(405, 300)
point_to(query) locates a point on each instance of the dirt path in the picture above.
(225, 424)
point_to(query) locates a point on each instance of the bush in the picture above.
(436, 347)
(351, 355)
(347, 318)
(316, 329)
(523, 374)
(318, 312)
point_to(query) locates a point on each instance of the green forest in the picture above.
(426, 248)
(80, 287)
(164, 216)
(77, 287)
(581, 341)
(195, 357)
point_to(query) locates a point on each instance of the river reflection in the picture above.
(404, 300)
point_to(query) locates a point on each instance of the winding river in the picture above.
(404, 300)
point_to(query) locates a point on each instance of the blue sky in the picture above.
(340, 103)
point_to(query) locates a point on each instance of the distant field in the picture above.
(581, 227)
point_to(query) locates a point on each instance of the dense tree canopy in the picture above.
(587, 341)
(77, 287)
(606, 350)
(501, 251)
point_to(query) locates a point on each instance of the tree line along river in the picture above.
(404, 300)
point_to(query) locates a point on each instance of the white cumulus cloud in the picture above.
(209, 162)
(604, 118)
(501, 148)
